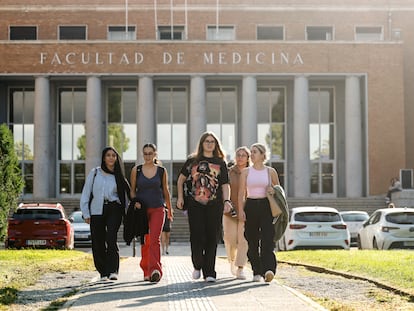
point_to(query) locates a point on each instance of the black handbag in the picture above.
(91, 194)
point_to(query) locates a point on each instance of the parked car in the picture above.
(40, 225)
(388, 228)
(81, 228)
(315, 227)
(354, 221)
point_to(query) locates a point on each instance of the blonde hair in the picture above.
(262, 149)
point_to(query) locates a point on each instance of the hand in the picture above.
(227, 207)
(87, 220)
(180, 203)
(137, 205)
(242, 216)
(270, 190)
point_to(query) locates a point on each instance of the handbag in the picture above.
(91, 194)
(274, 207)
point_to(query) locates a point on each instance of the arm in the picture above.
(133, 188)
(180, 191)
(226, 197)
(275, 177)
(242, 195)
(167, 195)
(86, 192)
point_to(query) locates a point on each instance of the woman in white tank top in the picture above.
(259, 230)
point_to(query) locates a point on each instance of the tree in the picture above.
(11, 179)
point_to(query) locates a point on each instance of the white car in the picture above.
(354, 221)
(388, 228)
(81, 228)
(315, 227)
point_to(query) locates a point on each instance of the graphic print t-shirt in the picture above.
(205, 178)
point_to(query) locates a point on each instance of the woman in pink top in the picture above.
(259, 230)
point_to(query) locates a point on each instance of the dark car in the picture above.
(81, 228)
(40, 225)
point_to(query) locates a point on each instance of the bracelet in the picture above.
(227, 201)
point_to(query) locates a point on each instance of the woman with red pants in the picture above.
(149, 190)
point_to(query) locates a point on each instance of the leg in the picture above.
(113, 222)
(98, 243)
(267, 246)
(155, 222)
(241, 258)
(197, 237)
(252, 235)
(212, 232)
(144, 263)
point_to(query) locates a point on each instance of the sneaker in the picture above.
(103, 278)
(257, 278)
(155, 276)
(210, 279)
(113, 276)
(240, 274)
(196, 274)
(269, 276)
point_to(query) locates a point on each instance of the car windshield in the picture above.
(354, 217)
(403, 218)
(317, 217)
(77, 217)
(37, 214)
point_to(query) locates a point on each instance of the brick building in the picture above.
(327, 86)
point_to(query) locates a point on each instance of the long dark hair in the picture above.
(217, 152)
(122, 185)
(154, 148)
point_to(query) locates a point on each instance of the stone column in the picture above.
(42, 132)
(301, 157)
(145, 115)
(95, 123)
(197, 123)
(249, 111)
(353, 137)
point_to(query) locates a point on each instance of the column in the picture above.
(145, 114)
(353, 137)
(95, 123)
(301, 157)
(249, 111)
(42, 136)
(197, 123)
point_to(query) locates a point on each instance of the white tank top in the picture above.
(257, 182)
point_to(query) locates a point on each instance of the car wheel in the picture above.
(374, 244)
(359, 242)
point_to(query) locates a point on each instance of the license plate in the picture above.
(318, 234)
(82, 236)
(36, 242)
(409, 243)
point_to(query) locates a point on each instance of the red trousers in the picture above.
(151, 249)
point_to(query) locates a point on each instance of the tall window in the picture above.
(122, 124)
(120, 33)
(323, 33)
(219, 33)
(222, 116)
(21, 102)
(271, 126)
(72, 140)
(172, 130)
(369, 33)
(270, 33)
(23, 32)
(72, 32)
(322, 140)
(170, 33)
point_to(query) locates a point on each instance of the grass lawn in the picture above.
(21, 268)
(392, 267)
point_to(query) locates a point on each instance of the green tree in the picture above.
(23, 151)
(116, 139)
(11, 179)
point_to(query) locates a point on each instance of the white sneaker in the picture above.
(257, 278)
(113, 276)
(240, 274)
(210, 279)
(155, 276)
(103, 278)
(196, 274)
(269, 276)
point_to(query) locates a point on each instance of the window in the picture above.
(222, 114)
(119, 33)
(364, 33)
(22, 124)
(322, 33)
(170, 33)
(271, 126)
(72, 33)
(221, 33)
(23, 33)
(270, 33)
(321, 140)
(72, 140)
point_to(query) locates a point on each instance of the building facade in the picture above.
(326, 86)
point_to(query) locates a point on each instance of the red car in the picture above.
(40, 225)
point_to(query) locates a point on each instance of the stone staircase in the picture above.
(180, 230)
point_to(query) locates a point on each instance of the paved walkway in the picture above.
(178, 291)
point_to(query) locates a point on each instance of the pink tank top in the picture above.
(257, 182)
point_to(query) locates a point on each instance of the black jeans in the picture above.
(205, 229)
(259, 231)
(104, 233)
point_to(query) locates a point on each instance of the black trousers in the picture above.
(104, 233)
(259, 231)
(205, 228)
